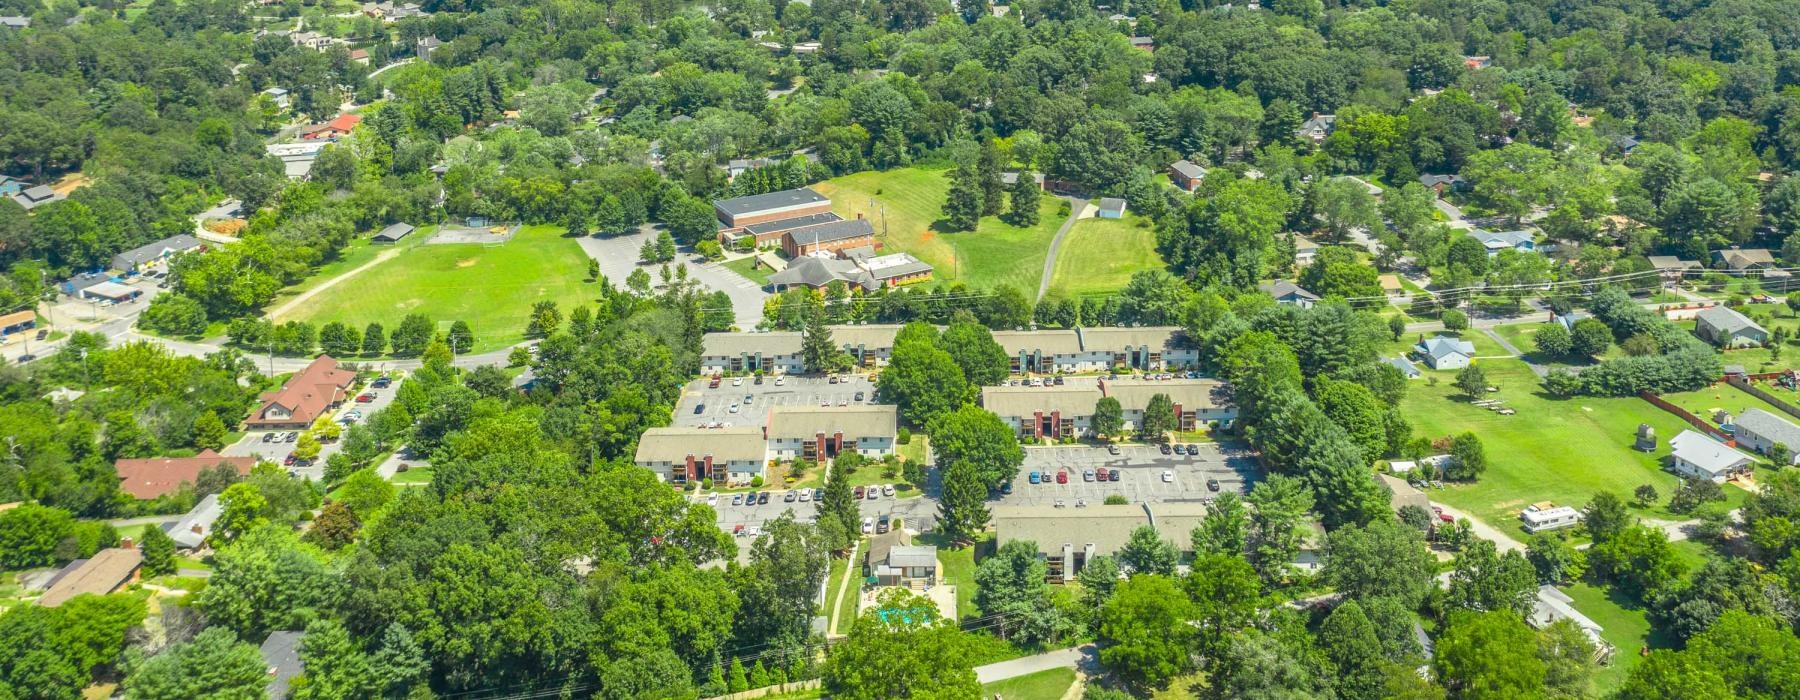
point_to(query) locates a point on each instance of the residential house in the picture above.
(108, 571)
(297, 158)
(1305, 250)
(1403, 494)
(1543, 517)
(1186, 174)
(1496, 241)
(739, 166)
(1761, 431)
(306, 396)
(425, 45)
(1011, 177)
(1553, 605)
(1044, 351)
(360, 56)
(1671, 268)
(893, 561)
(14, 22)
(1726, 327)
(145, 478)
(1747, 261)
(819, 432)
(1069, 538)
(868, 345)
(148, 256)
(1445, 352)
(339, 127)
(281, 654)
(192, 530)
(1197, 402)
(279, 96)
(1317, 127)
(392, 233)
(1286, 292)
(1143, 43)
(1624, 145)
(1406, 367)
(1444, 183)
(1477, 62)
(1699, 456)
(827, 237)
(776, 353)
(726, 455)
(1044, 412)
(1111, 208)
(35, 196)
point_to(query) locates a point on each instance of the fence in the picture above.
(1752, 389)
(1699, 423)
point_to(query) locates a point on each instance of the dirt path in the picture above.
(1503, 541)
(301, 298)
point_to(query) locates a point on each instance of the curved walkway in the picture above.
(1076, 208)
(301, 298)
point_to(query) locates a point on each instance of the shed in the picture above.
(393, 233)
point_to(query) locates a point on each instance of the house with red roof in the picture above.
(306, 396)
(334, 129)
(151, 477)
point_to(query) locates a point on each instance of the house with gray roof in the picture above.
(1011, 177)
(149, 255)
(870, 345)
(1496, 241)
(1552, 605)
(281, 653)
(1672, 268)
(1445, 352)
(1317, 127)
(1439, 184)
(1069, 538)
(1726, 327)
(1405, 366)
(1186, 174)
(1038, 412)
(893, 560)
(1151, 348)
(678, 455)
(1747, 261)
(392, 233)
(1040, 351)
(819, 273)
(192, 530)
(1699, 456)
(751, 352)
(816, 432)
(36, 196)
(1761, 431)
(1286, 292)
(1197, 402)
(15, 22)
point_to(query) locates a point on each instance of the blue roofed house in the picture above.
(1406, 367)
(1496, 241)
(1445, 352)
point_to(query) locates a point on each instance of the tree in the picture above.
(1279, 506)
(1454, 320)
(1472, 381)
(1384, 558)
(1159, 417)
(374, 340)
(1606, 516)
(209, 431)
(461, 338)
(1348, 639)
(267, 580)
(1226, 527)
(1638, 560)
(158, 550)
(335, 526)
(1146, 552)
(923, 380)
(242, 508)
(1693, 493)
(987, 171)
(1396, 326)
(1024, 201)
(1488, 655)
(365, 493)
(1098, 579)
(1590, 338)
(899, 648)
(818, 351)
(339, 339)
(1109, 417)
(1554, 560)
(1468, 459)
(411, 337)
(214, 665)
(1226, 595)
(1145, 630)
(979, 437)
(972, 346)
(962, 208)
(1553, 339)
(1485, 581)
(964, 501)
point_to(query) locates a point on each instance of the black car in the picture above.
(1112, 475)
(699, 409)
(268, 437)
(881, 526)
(818, 494)
(1193, 450)
(27, 357)
(381, 382)
(1212, 484)
(43, 333)
(1166, 449)
(859, 396)
(1006, 489)
(762, 497)
(291, 436)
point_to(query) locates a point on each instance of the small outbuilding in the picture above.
(392, 233)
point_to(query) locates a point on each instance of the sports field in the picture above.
(1099, 256)
(908, 201)
(492, 288)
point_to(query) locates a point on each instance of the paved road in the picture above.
(1084, 657)
(1076, 208)
(618, 256)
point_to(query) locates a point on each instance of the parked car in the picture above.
(381, 382)
(1100, 474)
(832, 379)
(1059, 503)
(1006, 489)
(1212, 484)
(758, 381)
(881, 526)
(290, 460)
(42, 334)
(1112, 475)
(699, 409)
(738, 530)
(291, 437)
(1168, 476)
(859, 396)
(887, 489)
(1080, 503)
(1112, 449)
(790, 497)
(780, 381)
(818, 494)
(762, 497)
(365, 398)
(1166, 448)
(1033, 478)
(843, 402)
(27, 357)
(868, 524)
(737, 381)
(1059, 380)
(1193, 450)
(874, 493)
(859, 492)
(737, 499)
(268, 437)
(805, 495)
(734, 407)
(714, 384)
(1062, 477)
(1087, 475)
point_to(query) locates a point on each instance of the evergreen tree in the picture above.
(737, 681)
(963, 208)
(609, 216)
(461, 337)
(818, 351)
(159, 551)
(839, 504)
(1159, 417)
(1025, 196)
(964, 503)
(988, 170)
(209, 431)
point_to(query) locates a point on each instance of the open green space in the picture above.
(750, 270)
(1625, 628)
(956, 567)
(1099, 256)
(907, 204)
(415, 475)
(1558, 450)
(1485, 347)
(492, 287)
(1043, 685)
(840, 610)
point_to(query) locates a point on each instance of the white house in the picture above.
(1553, 605)
(1542, 517)
(679, 455)
(819, 432)
(1496, 241)
(1445, 352)
(1699, 456)
(750, 352)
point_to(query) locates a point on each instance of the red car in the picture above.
(714, 384)
(859, 492)
(1062, 477)
(365, 398)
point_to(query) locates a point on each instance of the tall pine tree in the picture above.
(159, 551)
(988, 170)
(964, 503)
(1025, 195)
(963, 208)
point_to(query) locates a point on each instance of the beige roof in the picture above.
(743, 444)
(1405, 494)
(854, 421)
(1107, 527)
(1111, 338)
(871, 337)
(1050, 342)
(734, 344)
(1134, 394)
(103, 574)
(1071, 400)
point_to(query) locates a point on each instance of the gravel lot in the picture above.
(794, 391)
(1141, 470)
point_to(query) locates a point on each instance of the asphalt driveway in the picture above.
(618, 256)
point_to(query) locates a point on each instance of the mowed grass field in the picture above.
(1049, 684)
(1558, 450)
(1099, 256)
(908, 201)
(492, 288)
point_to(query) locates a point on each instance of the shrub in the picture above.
(903, 437)
(1115, 499)
(756, 482)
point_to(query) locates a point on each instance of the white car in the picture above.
(712, 500)
(734, 408)
(1059, 503)
(780, 381)
(1168, 476)
(805, 495)
(887, 490)
(737, 381)
(868, 525)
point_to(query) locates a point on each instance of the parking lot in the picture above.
(715, 404)
(917, 513)
(277, 449)
(1141, 470)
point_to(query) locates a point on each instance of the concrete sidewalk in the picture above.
(1084, 657)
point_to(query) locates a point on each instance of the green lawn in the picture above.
(492, 288)
(1559, 450)
(840, 610)
(1043, 685)
(958, 569)
(907, 204)
(1626, 629)
(1099, 256)
(1521, 336)
(415, 475)
(750, 270)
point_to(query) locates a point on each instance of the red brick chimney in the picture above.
(126, 543)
